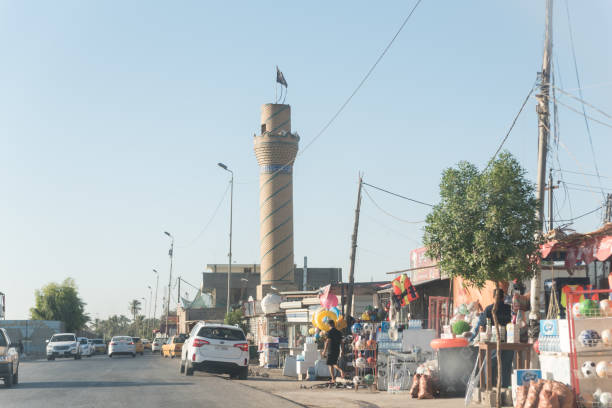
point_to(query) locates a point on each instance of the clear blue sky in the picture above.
(114, 114)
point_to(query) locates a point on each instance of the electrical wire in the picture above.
(365, 78)
(578, 163)
(590, 105)
(397, 195)
(388, 213)
(581, 173)
(585, 115)
(511, 127)
(580, 216)
(210, 220)
(586, 122)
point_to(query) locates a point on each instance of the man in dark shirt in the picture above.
(504, 316)
(333, 349)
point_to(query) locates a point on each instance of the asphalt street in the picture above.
(144, 381)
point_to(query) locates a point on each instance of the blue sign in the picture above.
(549, 328)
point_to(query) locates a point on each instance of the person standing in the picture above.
(333, 349)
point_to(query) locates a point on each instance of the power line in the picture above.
(583, 102)
(511, 126)
(581, 173)
(586, 122)
(584, 114)
(580, 216)
(365, 78)
(397, 195)
(210, 220)
(388, 213)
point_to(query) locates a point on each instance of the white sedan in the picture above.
(121, 345)
(85, 347)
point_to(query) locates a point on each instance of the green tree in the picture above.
(60, 301)
(235, 317)
(134, 307)
(484, 227)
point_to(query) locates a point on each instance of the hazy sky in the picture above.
(114, 114)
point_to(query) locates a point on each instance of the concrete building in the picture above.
(246, 279)
(189, 312)
(276, 148)
(32, 333)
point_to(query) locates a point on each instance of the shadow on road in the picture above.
(95, 384)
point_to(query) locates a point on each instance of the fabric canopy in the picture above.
(581, 247)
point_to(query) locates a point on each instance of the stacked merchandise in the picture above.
(385, 345)
(544, 394)
(554, 349)
(365, 354)
(307, 358)
(590, 325)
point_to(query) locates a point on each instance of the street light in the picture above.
(150, 304)
(229, 263)
(156, 285)
(145, 310)
(171, 253)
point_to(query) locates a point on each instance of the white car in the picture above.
(86, 348)
(216, 348)
(157, 344)
(121, 345)
(63, 345)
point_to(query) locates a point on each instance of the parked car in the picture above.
(157, 344)
(147, 344)
(63, 345)
(121, 345)
(216, 348)
(173, 347)
(98, 345)
(85, 348)
(9, 360)
(138, 345)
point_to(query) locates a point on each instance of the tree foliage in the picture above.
(60, 301)
(484, 227)
(236, 317)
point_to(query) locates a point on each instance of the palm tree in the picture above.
(134, 309)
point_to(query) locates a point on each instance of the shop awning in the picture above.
(576, 248)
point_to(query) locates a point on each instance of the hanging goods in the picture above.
(403, 291)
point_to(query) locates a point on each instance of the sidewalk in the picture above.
(289, 388)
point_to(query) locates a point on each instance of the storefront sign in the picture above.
(297, 315)
(428, 272)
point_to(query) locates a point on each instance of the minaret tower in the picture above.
(275, 149)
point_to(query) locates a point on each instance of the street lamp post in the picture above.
(149, 313)
(229, 263)
(171, 253)
(145, 313)
(156, 285)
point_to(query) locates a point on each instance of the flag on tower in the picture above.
(280, 78)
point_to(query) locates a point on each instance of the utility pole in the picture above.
(349, 296)
(543, 111)
(178, 293)
(550, 189)
(171, 253)
(155, 307)
(608, 214)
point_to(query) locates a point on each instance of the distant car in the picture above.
(147, 344)
(173, 347)
(121, 345)
(9, 360)
(216, 348)
(157, 344)
(63, 345)
(98, 345)
(138, 345)
(85, 348)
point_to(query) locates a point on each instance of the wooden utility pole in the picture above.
(543, 111)
(349, 295)
(550, 189)
(608, 214)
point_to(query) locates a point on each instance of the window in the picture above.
(63, 337)
(221, 333)
(263, 128)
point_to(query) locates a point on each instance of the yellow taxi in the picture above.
(173, 346)
(138, 346)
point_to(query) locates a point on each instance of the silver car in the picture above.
(121, 345)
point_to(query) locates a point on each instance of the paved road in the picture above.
(147, 381)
